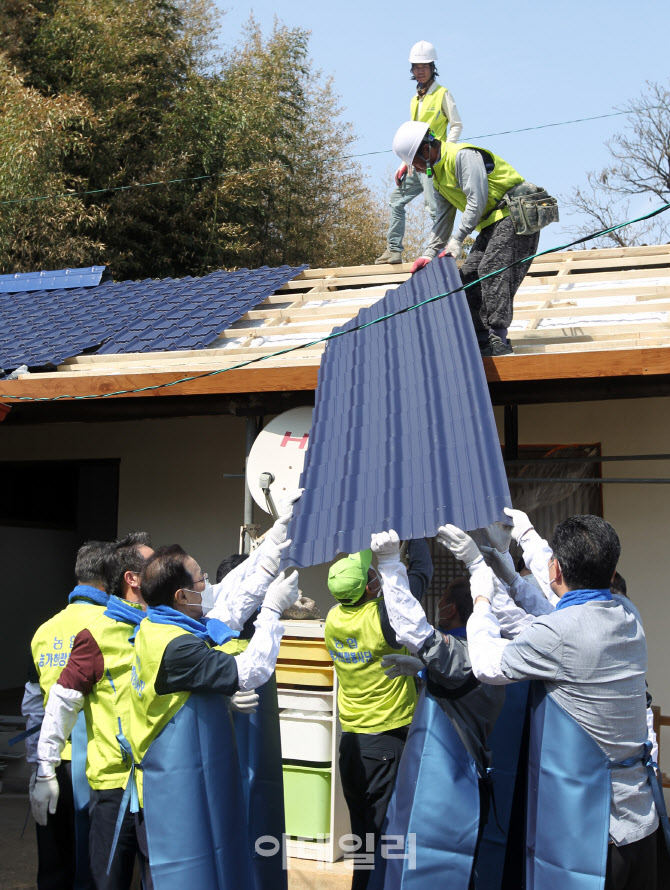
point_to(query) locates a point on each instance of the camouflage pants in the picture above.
(491, 301)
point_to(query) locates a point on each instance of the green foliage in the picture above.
(38, 137)
(108, 94)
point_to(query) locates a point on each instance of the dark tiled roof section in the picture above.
(404, 435)
(46, 327)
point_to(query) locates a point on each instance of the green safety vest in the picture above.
(52, 644)
(501, 179)
(107, 706)
(431, 112)
(368, 700)
(235, 647)
(149, 711)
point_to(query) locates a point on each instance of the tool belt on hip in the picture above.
(531, 208)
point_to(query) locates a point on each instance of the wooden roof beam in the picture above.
(515, 368)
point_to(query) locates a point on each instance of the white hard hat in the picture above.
(422, 52)
(408, 139)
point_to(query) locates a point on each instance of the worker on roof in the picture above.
(62, 836)
(189, 786)
(595, 799)
(494, 199)
(96, 680)
(434, 105)
(375, 710)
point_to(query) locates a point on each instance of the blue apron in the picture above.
(569, 791)
(259, 751)
(506, 747)
(436, 798)
(194, 809)
(80, 793)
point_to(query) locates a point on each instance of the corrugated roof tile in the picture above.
(404, 435)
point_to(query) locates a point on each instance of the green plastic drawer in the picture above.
(306, 800)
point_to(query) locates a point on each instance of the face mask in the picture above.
(207, 598)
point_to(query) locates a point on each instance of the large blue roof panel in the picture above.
(403, 434)
(45, 327)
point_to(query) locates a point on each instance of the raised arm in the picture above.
(536, 551)
(250, 576)
(405, 613)
(419, 567)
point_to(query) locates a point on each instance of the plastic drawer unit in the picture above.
(315, 809)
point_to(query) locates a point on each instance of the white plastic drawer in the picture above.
(306, 738)
(305, 701)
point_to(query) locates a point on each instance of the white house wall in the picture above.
(172, 485)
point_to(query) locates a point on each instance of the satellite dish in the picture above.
(277, 457)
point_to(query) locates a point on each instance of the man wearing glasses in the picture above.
(189, 787)
(595, 804)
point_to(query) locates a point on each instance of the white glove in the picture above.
(271, 557)
(31, 783)
(401, 666)
(282, 593)
(499, 535)
(521, 524)
(454, 247)
(386, 546)
(501, 563)
(277, 533)
(44, 797)
(461, 544)
(482, 582)
(244, 702)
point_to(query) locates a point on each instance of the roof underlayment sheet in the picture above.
(45, 327)
(403, 434)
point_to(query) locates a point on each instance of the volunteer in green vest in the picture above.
(375, 711)
(481, 185)
(97, 680)
(188, 776)
(434, 105)
(58, 862)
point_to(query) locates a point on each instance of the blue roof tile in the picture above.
(403, 435)
(49, 325)
(57, 280)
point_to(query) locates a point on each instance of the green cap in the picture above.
(348, 577)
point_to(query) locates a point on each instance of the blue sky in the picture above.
(509, 65)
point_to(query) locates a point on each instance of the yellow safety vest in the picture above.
(501, 179)
(431, 112)
(52, 644)
(107, 706)
(149, 711)
(235, 647)
(368, 700)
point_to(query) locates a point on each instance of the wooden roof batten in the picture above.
(578, 314)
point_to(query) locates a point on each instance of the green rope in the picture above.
(332, 336)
